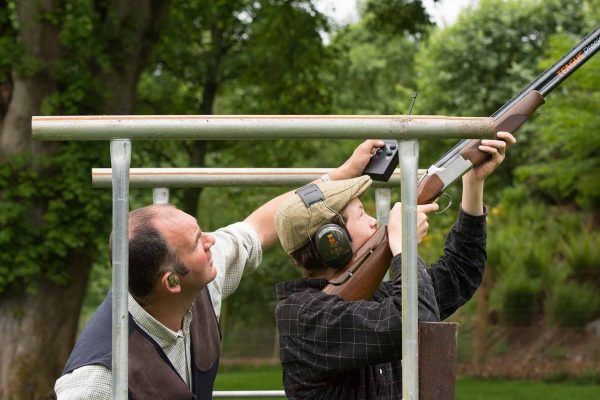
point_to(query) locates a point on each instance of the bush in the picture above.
(519, 300)
(582, 254)
(573, 305)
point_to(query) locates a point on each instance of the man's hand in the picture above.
(355, 165)
(497, 150)
(394, 228)
(472, 197)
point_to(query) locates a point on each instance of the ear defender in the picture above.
(172, 280)
(333, 245)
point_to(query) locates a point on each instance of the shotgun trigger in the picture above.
(448, 206)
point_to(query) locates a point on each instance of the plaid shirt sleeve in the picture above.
(459, 272)
(339, 335)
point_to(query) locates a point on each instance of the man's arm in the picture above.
(458, 273)
(472, 196)
(262, 219)
(91, 382)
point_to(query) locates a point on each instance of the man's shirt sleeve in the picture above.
(236, 252)
(91, 382)
(459, 272)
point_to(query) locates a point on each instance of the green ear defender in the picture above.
(333, 245)
(172, 280)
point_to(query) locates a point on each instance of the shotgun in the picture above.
(466, 154)
(361, 278)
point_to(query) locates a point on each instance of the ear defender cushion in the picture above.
(333, 245)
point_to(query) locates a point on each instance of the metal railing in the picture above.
(122, 129)
(224, 177)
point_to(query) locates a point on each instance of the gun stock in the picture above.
(363, 274)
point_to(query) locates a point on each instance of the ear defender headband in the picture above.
(332, 244)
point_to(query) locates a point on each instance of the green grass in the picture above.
(269, 378)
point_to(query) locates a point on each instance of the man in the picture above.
(337, 349)
(178, 276)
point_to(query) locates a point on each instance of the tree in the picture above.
(254, 57)
(491, 53)
(69, 57)
(564, 170)
(474, 67)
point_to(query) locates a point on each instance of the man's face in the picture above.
(360, 225)
(190, 244)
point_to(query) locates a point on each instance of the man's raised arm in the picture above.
(262, 219)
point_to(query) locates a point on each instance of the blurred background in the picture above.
(537, 314)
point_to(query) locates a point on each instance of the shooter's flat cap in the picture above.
(295, 222)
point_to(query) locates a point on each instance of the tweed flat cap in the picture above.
(295, 222)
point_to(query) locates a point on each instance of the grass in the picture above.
(269, 378)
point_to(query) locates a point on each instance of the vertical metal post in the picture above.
(409, 158)
(160, 195)
(120, 158)
(383, 197)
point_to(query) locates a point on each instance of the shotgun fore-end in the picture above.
(510, 121)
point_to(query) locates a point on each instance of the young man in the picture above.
(337, 349)
(178, 276)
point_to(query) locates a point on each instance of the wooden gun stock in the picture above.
(363, 274)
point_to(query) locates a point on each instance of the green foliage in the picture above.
(519, 298)
(522, 250)
(34, 246)
(582, 256)
(563, 169)
(396, 17)
(573, 305)
(372, 72)
(492, 52)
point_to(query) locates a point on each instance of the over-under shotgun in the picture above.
(361, 277)
(466, 154)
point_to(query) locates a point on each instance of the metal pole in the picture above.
(160, 195)
(222, 177)
(218, 127)
(409, 158)
(274, 394)
(120, 156)
(383, 197)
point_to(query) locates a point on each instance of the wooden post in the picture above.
(437, 360)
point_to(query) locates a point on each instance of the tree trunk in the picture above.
(38, 331)
(38, 327)
(191, 196)
(481, 320)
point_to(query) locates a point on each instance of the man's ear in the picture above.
(170, 281)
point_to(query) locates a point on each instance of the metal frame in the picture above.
(121, 129)
(224, 177)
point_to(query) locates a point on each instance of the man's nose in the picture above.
(209, 240)
(373, 222)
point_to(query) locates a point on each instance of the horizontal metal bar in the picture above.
(211, 127)
(250, 393)
(219, 177)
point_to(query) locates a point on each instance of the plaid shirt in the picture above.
(336, 349)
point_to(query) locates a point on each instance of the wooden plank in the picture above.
(437, 360)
